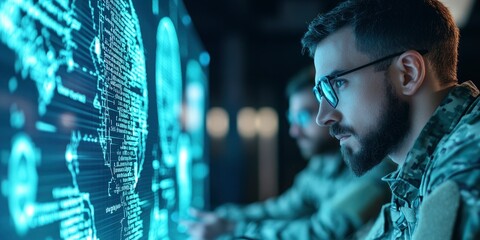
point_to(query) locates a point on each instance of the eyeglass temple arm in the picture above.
(422, 52)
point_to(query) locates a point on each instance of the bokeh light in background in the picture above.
(266, 122)
(194, 118)
(461, 10)
(204, 59)
(251, 122)
(246, 119)
(217, 122)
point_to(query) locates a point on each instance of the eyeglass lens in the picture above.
(302, 118)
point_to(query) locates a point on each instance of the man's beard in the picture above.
(392, 129)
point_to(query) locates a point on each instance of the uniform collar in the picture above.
(405, 182)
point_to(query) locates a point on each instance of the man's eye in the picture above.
(337, 83)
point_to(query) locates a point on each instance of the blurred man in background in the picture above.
(326, 200)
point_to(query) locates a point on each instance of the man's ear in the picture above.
(411, 68)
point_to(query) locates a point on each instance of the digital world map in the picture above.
(92, 99)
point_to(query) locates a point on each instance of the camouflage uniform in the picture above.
(435, 194)
(326, 202)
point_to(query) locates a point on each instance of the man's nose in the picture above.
(327, 115)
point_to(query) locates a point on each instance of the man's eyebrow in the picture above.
(336, 72)
(333, 73)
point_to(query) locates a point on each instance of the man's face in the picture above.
(311, 138)
(370, 120)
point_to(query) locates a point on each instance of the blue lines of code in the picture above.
(122, 102)
(39, 56)
(92, 96)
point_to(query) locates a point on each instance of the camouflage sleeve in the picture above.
(351, 206)
(459, 161)
(467, 225)
(313, 227)
(290, 204)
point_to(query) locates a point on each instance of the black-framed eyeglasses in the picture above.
(324, 86)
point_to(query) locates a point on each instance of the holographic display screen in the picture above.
(101, 119)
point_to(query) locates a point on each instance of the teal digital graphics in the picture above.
(94, 144)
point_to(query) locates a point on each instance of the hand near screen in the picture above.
(206, 225)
